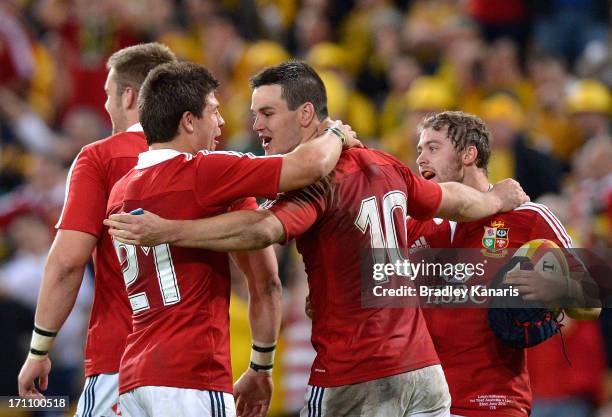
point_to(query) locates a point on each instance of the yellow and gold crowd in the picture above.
(539, 73)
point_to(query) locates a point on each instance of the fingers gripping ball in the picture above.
(529, 324)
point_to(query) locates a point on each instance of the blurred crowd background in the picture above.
(538, 72)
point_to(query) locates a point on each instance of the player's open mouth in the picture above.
(265, 141)
(428, 174)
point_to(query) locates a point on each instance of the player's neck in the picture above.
(131, 118)
(310, 132)
(178, 144)
(476, 178)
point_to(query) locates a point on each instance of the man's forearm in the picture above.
(310, 162)
(463, 203)
(235, 231)
(265, 294)
(58, 293)
(62, 277)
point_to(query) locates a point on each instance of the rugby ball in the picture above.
(545, 256)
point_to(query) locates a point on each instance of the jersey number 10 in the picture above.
(164, 268)
(369, 218)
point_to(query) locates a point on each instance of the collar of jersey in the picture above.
(135, 128)
(157, 156)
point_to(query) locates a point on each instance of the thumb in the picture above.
(43, 382)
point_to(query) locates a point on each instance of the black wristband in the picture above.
(259, 368)
(38, 352)
(264, 349)
(44, 332)
(338, 133)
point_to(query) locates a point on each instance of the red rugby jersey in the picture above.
(485, 376)
(361, 205)
(180, 296)
(95, 170)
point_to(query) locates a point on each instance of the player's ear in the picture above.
(306, 114)
(129, 98)
(186, 122)
(469, 155)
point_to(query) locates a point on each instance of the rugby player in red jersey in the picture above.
(177, 359)
(485, 376)
(370, 362)
(81, 234)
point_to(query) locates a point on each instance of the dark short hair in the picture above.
(132, 64)
(463, 130)
(299, 84)
(169, 91)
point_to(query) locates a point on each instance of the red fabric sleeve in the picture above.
(547, 226)
(227, 176)
(86, 194)
(424, 196)
(298, 210)
(245, 204)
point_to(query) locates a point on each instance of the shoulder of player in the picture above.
(356, 159)
(110, 145)
(368, 154)
(532, 211)
(215, 154)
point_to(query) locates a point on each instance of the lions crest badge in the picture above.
(495, 239)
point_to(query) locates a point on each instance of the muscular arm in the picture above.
(62, 277)
(60, 285)
(253, 390)
(314, 159)
(464, 203)
(234, 231)
(265, 292)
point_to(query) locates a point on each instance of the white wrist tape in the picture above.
(262, 354)
(42, 340)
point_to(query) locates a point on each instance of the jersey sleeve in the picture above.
(248, 203)
(222, 177)
(299, 210)
(86, 194)
(424, 197)
(547, 226)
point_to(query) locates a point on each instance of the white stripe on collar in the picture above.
(135, 128)
(157, 156)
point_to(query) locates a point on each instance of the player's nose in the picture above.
(257, 124)
(421, 159)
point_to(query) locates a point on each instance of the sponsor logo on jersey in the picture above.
(495, 239)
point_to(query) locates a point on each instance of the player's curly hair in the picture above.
(299, 84)
(168, 92)
(463, 130)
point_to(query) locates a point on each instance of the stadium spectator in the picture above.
(512, 156)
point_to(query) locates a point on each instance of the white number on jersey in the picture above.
(369, 218)
(164, 268)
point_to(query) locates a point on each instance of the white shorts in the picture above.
(152, 401)
(100, 397)
(419, 393)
